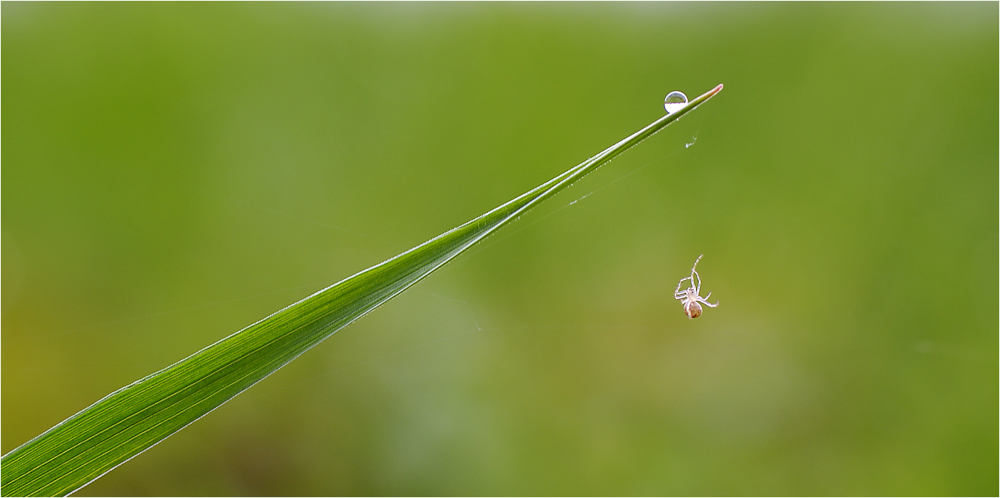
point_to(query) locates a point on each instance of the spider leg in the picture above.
(694, 273)
(679, 284)
(705, 301)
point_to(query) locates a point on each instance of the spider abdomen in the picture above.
(692, 309)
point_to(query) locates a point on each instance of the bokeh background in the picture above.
(174, 172)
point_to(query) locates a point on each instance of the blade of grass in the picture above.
(132, 419)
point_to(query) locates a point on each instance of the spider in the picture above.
(691, 296)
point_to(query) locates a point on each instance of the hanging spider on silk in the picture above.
(691, 296)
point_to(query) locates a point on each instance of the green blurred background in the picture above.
(174, 172)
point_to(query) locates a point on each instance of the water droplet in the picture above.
(674, 102)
